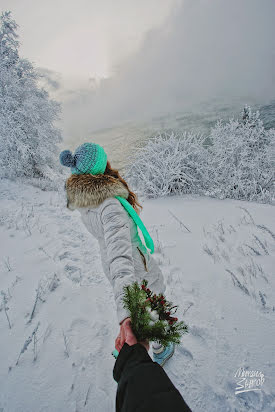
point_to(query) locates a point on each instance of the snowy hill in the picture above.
(217, 257)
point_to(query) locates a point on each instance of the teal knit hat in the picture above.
(89, 158)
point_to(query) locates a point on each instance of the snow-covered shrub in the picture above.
(28, 136)
(241, 159)
(235, 161)
(169, 164)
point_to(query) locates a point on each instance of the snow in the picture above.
(235, 161)
(27, 115)
(48, 257)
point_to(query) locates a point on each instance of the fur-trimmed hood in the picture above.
(88, 190)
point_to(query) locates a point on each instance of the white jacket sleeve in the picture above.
(118, 242)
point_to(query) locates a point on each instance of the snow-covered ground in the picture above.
(217, 257)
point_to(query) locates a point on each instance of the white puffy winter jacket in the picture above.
(124, 258)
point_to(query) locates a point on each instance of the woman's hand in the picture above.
(126, 335)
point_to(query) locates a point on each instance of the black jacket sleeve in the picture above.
(143, 385)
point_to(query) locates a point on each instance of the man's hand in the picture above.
(126, 335)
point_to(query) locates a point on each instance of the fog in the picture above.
(207, 50)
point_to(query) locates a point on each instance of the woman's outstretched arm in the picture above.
(118, 242)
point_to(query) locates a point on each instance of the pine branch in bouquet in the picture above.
(151, 315)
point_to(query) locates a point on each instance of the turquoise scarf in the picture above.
(148, 240)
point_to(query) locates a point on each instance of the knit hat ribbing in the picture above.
(89, 158)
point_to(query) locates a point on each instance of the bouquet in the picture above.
(151, 315)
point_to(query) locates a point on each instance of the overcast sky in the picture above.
(85, 38)
(154, 56)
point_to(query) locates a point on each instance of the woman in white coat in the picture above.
(109, 210)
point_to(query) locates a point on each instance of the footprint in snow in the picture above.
(73, 273)
(185, 352)
(67, 255)
(174, 275)
(198, 332)
(158, 258)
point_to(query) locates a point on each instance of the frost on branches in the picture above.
(169, 164)
(236, 161)
(241, 159)
(28, 137)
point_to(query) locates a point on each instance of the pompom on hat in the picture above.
(89, 158)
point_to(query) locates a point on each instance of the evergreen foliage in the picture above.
(151, 315)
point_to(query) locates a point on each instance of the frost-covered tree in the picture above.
(28, 135)
(169, 164)
(241, 159)
(237, 162)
